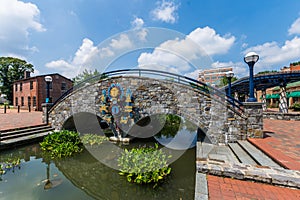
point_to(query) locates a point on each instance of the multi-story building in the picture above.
(213, 76)
(31, 91)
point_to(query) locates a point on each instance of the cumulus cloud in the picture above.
(272, 53)
(18, 19)
(165, 11)
(123, 42)
(138, 25)
(178, 54)
(83, 59)
(295, 27)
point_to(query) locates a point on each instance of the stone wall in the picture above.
(220, 121)
(281, 116)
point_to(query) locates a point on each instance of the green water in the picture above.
(84, 177)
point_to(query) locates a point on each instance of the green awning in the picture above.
(294, 94)
(275, 96)
(268, 96)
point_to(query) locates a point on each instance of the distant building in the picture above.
(32, 91)
(213, 76)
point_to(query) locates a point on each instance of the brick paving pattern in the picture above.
(226, 188)
(282, 142)
(13, 119)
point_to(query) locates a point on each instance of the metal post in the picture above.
(229, 86)
(48, 92)
(251, 83)
(18, 108)
(4, 108)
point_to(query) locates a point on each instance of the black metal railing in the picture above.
(213, 92)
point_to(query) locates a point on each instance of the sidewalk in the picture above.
(282, 143)
(12, 119)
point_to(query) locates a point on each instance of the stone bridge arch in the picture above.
(207, 110)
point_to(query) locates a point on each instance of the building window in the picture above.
(16, 87)
(34, 101)
(16, 101)
(21, 86)
(63, 86)
(29, 101)
(22, 101)
(31, 85)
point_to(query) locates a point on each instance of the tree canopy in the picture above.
(12, 69)
(224, 81)
(85, 75)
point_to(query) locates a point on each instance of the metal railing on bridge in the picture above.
(213, 92)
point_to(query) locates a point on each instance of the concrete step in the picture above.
(257, 155)
(23, 129)
(9, 143)
(241, 154)
(25, 132)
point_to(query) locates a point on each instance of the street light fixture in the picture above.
(251, 58)
(48, 80)
(229, 76)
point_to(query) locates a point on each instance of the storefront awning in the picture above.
(272, 96)
(294, 94)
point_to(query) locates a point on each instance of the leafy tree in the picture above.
(12, 69)
(267, 72)
(85, 75)
(224, 81)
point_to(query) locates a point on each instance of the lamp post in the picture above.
(48, 80)
(251, 58)
(229, 76)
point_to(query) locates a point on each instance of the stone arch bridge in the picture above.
(148, 92)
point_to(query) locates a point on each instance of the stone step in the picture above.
(240, 153)
(257, 155)
(25, 132)
(22, 130)
(9, 143)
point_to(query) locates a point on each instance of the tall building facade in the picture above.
(31, 91)
(213, 76)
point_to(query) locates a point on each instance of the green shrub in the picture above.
(10, 163)
(61, 144)
(93, 139)
(144, 165)
(296, 106)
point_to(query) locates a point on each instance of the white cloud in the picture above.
(210, 41)
(181, 54)
(83, 59)
(165, 11)
(17, 20)
(137, 23)
(271, 53)
(295, 27)
(123, 42)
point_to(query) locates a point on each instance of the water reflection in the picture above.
(84, 177)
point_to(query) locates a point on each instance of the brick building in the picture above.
(32, 91)
(213, 76)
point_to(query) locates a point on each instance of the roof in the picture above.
(34, 77)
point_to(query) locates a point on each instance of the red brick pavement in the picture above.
(13, 119)
(282, 142)
(226, 188)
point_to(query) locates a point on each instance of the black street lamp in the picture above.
(48, 80)
(251, 58)
(229, 76)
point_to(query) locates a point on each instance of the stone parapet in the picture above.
(281, 116)
(254, 122)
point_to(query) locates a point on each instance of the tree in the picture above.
(12, 69)
(85, 75)
(267, 72)
(224, 81)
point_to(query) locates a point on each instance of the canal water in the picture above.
(84, 177)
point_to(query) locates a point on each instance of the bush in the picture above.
(93, 139)
(61, 144)
(296, 106)
(10, 163)
(144, 165)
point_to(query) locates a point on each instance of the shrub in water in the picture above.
(62, 143)
(93, 139)
(144, 165)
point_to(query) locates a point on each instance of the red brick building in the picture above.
(32, 91)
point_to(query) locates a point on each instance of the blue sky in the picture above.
(186, 36)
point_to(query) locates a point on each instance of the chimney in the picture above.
(26, 74)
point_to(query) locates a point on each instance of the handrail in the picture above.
(198, 85)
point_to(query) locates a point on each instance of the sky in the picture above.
(180, 36)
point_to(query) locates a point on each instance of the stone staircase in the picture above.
(15, 137)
